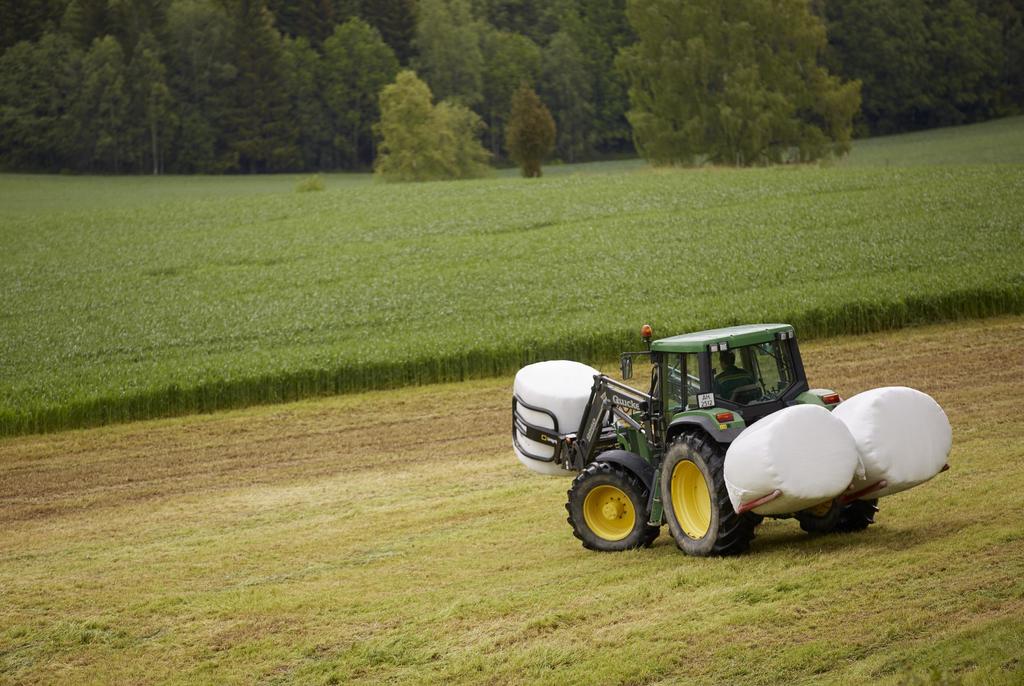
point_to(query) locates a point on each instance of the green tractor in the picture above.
(648, 458)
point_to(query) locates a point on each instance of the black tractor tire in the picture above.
(814, 521)
(608, 509)
(702, 519)
(855, 516)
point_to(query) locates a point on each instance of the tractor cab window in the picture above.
(753, 374)
(683, 383)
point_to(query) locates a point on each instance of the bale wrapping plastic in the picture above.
(802, 451)
(562, 388)
(903, 436)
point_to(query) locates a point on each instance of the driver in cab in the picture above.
(731, 378)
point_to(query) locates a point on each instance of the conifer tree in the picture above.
(102, 106)
(531, 131)
(309, 19)
(85, 21)
(357, 64)
(198, 59)
(395, 20)
(509, 59)
(129, 20)
(307, 113)
(448, 41)
(152, 103)
(600, 31)
(567, 85)
(39, 85)
(922, 63)
(257, 129)
(26, 21)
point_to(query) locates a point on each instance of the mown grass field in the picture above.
(391, 537)
(126, 298)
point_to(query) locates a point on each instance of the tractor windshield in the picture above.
(754, 373)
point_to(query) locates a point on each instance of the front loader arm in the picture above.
(609, 397)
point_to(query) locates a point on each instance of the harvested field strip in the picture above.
(392, 537)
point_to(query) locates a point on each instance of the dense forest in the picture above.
(213, 86)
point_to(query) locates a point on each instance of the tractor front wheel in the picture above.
(697, 507)
(608, 509)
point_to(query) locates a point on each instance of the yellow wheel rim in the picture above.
(821, 510)
(608, 512)
(691, 500)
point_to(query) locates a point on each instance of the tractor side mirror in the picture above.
(626, 366)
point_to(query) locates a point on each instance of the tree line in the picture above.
(214, 86)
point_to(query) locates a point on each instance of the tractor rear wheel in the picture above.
(608, 509)
(822, 519)
(858, 515)
(697, 507)
(855, 516)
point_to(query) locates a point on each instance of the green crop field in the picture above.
(392, 538)
(124, 298)
(993, 142)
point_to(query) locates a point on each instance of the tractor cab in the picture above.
(753, 370)
(726, 379)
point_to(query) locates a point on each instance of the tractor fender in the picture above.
(632, 462)
(707, 425)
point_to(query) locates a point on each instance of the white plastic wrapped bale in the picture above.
(903, 436)
(802, 451)
(562, 388)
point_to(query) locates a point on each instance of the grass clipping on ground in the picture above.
(393, 537)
